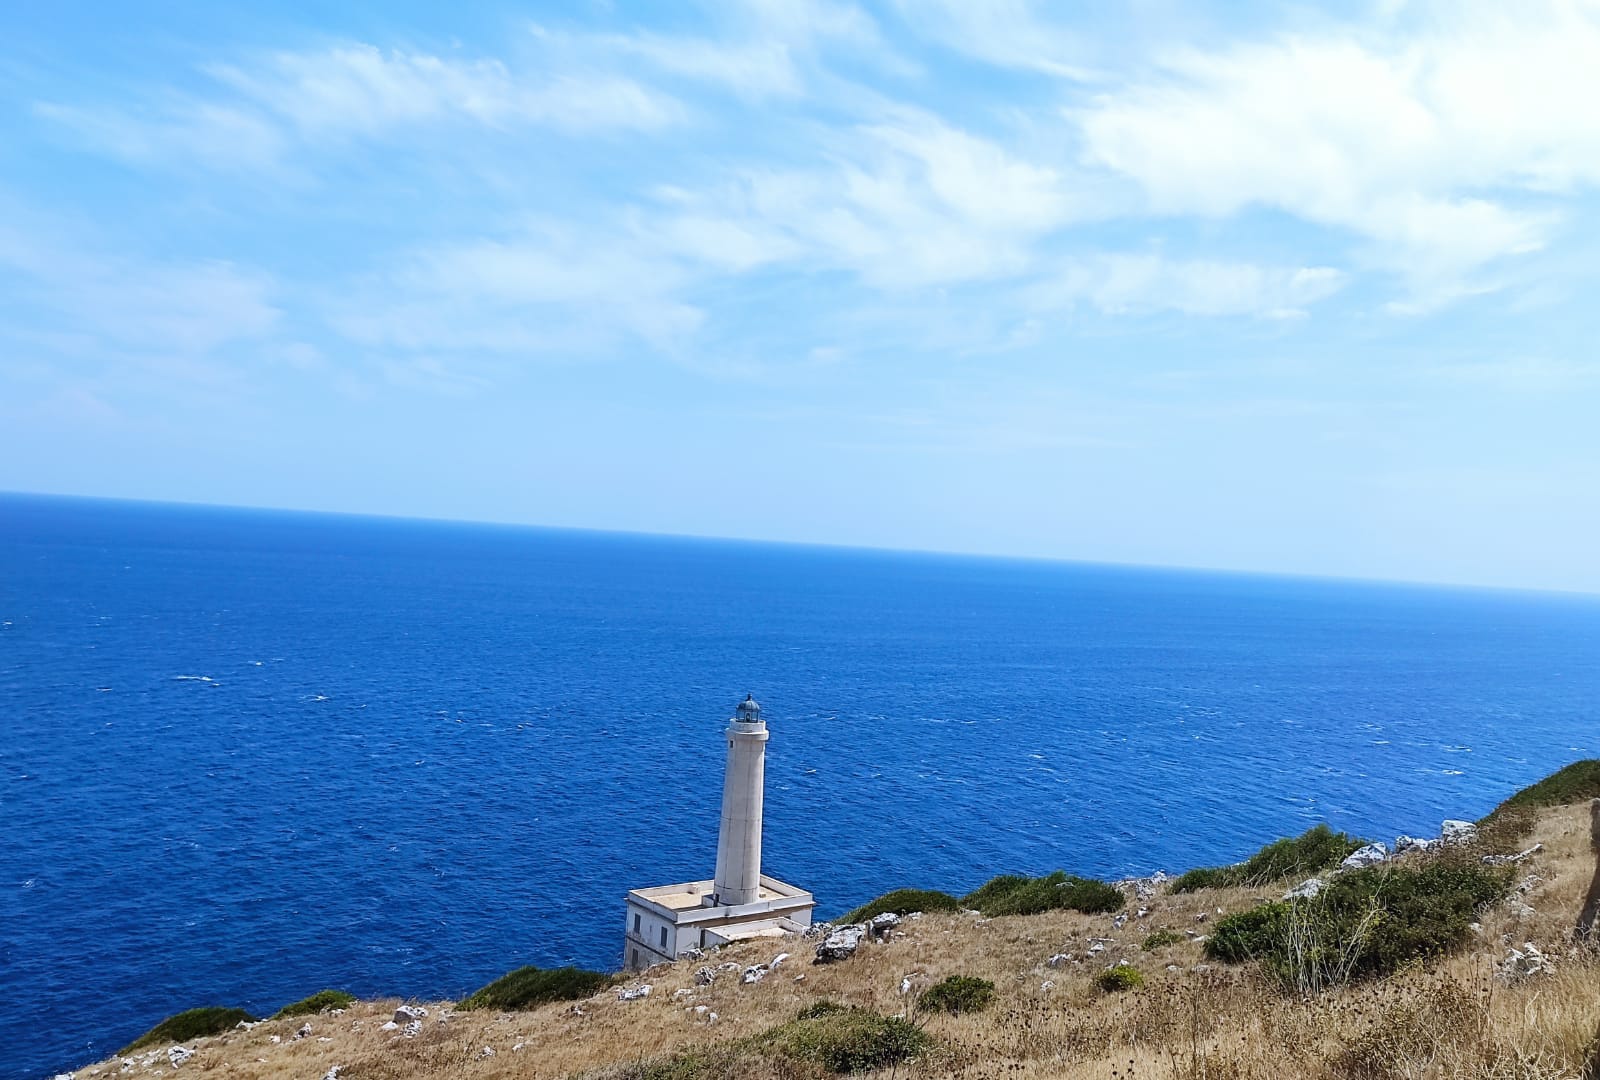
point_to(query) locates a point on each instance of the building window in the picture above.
(635, 963)
(663, 937)
(636, 922)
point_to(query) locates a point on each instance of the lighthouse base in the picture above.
(668, 920)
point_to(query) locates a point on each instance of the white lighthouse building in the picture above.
(740, 902)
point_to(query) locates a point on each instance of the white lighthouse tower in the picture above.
(739, 902)
(738, 879)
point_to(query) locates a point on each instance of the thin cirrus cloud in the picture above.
(1137, 284)
(288, 102)
(89, 301)
(1427, 153)
(1441, 146)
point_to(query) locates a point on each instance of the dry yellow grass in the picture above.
(1451, 1020)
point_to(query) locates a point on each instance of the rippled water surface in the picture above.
(248, 755)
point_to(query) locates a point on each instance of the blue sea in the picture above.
(248, 755)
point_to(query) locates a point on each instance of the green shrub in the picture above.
(191, 1024)
(844, 1039)
(728, 1061)
(903, 902)
(528, 987)
(321, 1001)
(826, 1035)
(1161, 939)
(1575, 783)
(1318, 848)
(1508, 823)
(957, 994)
(1365, 923)
(1013, 894)
(1114, 980)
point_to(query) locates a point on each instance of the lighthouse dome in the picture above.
(748, 712)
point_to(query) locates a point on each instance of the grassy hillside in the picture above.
(1058, 993)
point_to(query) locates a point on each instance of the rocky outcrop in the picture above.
(840, 944)
(1367, 855)
(1306, 889)
(1524, 963)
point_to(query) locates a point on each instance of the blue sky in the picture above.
(1238, 285)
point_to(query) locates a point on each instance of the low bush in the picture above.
(1575, 783)
(1161, 939)
(825, 1036)
(1365, 923)
(318, 1002)
(528, 987)
(1318, 848)
(1114, 980)
(190, 1024)
(844, 1039)
(903, 902)
(957, 994)
(1508, 823)
(1013, 894)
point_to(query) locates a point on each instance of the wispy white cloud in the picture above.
(1123, 284)
(1434, 141)
(906, 202)
(178, 308)
(262, 110)
(547, 289)
(1008, 33)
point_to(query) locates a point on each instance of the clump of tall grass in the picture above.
(321, 1001)
(528, 987)
(957, 994)
(903, 902)
(1007, 894)
(190, 1024)
(1365, 923)
(1318, 848)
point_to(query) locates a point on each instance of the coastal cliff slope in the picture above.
(1491, 1008)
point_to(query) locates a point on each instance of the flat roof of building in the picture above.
(691, 895)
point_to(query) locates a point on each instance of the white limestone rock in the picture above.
(1367, 855)
(755, 973)
(412, 1029)
(1306, 889)
(486, 1052)
(1404, 844)
(305, 1030)
(1524, 963)
(840, 945)
(1059, 959)
(633, 993)
(1458, 832)
(704, 976)
(880, 925)
(178, 1055)
(390, 1026)
(333, 1072)
(1505, 860)
(776, 960)
(407, 1013)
